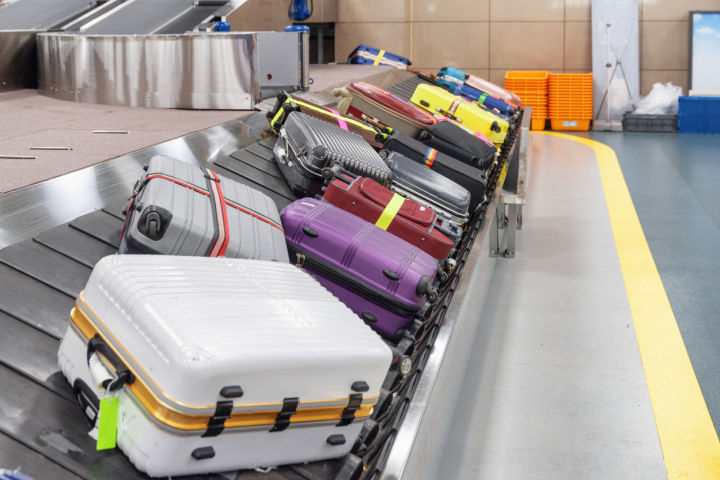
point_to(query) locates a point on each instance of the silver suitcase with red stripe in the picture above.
(180, 209)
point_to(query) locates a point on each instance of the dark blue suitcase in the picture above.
(365, 55)
(492, 103)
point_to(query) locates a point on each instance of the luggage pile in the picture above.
(230, 335)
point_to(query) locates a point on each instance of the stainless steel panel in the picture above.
(142, 17)
(196, 71)
(31, 210)
(18, 66)
(283, 60)
(40, 14)
(420, 439)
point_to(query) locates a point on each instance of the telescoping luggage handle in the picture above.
(218, 202)
(450, 113)
(287, 104)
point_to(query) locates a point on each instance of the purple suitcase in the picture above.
(382, 278)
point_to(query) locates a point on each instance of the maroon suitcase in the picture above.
(417, 224)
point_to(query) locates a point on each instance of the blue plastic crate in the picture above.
(699, 115)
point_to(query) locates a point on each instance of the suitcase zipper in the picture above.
(307, 260)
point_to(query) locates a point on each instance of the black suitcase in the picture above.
(472, 178)
(452, 140)
(307, 148)
(428, 187)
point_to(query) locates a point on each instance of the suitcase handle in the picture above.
(122, 374)
(87, 399)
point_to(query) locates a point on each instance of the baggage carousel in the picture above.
(43, 431)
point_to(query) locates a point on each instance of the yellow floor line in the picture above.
(687, 436)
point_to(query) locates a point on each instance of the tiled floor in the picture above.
(674, 181)
(555, 388)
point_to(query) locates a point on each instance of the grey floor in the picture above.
(555, 388)
(673, 180)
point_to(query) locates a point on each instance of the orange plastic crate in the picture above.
(526, 81)
(570, 125)
(537, 123)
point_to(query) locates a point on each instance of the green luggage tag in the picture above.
(107, 423)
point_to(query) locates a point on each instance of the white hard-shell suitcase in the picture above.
(221, 364)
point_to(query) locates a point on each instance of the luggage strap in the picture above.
(454, 106)
(391, 210)
(429, 157)
(201, 191)
(341, 120)
(482, 98)
(348, 415)
(221, 236)
(379, 57)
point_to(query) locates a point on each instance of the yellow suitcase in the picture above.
(436, 99)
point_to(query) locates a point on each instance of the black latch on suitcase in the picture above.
(289, 408)
(348, 415)
(216, 424)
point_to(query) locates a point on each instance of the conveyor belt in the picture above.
(406, 88)
(40, 422)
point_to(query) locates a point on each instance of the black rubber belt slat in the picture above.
(279, 200)
(56, 427)
(47, 266)
(24, 348)
(115, 209)
(258, 162)
(75, 244)
(100, 225)
(15, 455)
(261, 151)
(269, 142)
(271, 182)
(406, 88)
(33, 302)
(318, 470)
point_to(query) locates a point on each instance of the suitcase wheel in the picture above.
(154, 222)
(424, 287)
(495, 127)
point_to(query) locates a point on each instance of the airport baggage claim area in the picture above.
(576, 336)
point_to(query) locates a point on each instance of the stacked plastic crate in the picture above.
(699, 115)
(570, 100)
(532, 88)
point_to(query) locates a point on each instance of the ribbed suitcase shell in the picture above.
(188, 327)
(254, 230)
(482, 84)
(361, 98)
(415, 223)
(460, 144)
(426, 186)
(286, 104)
(438, 100)
(307, 146)
(467, 176)
(358, 261)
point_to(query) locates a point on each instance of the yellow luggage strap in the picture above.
(379, 57)
(277, 116)
(329, 112)
(391, 210)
